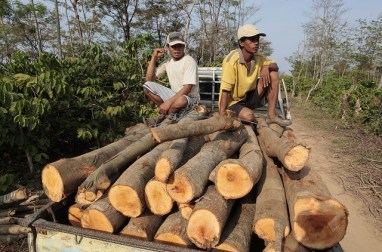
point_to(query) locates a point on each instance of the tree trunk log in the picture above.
(170, 159)
(101, 215)
(173, 231)
(237, 232)
(208, 219)
(271, 221)
(157, 198)
(12, 237)
(289, 245)
(8, 220)
(144, 226)
(109, 171)
(61, 178)
(189, 181)
(13, 229)
(186, 209)
(318, 221)
(127, 194)
(75, 213)
(292, 155)
(14, 197)
(196, 128)
(235, 178)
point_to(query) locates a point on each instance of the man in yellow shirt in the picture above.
(247, 77)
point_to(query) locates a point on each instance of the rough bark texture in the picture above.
(61, 178)
(235, 178)
(101, 215)
(237, 232)
(196, 128)
(292, 155)
(127, 194)
(208, 219)
(13, 229)
(318, 221)
(8, 220)
(173, 231)
(195, 143)
(75, 213)
(109, 171)
(271, 221)
(13, 197)
(189, 181)
(289, 245)
(144, 226)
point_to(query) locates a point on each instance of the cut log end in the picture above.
(186, 210)
(125, 200)
(180, 189)
(171, 239)
(157, 198)
(233, 181)
(94, 219)
(296, 158)
(52, 183)
(75, 213)
(320, 223)
(225, 247)
(202, 235)
(162, 169)
(266, 230)
(135, 233)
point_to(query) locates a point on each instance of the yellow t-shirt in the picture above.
(236, 77)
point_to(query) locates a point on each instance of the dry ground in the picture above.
(350, 163)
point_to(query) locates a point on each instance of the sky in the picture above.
(282, 21)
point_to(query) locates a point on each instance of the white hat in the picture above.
(175, 38)
(248, 30)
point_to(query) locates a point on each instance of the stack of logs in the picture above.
(205, 181)
(15, 206)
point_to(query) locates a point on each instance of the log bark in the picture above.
(12, 237)
(318, 220)
(173, 231)
(97, 182)
(8, 220)
(292, 155)
(208, 219)
(101, 215)
(14, 197)
(271, 221)
(189, 181)
(127, 194)
(235, 178)
(157, 198)
(196, 128)
(75, 213)
(237, 232)
(62, 177)
(289, 245)
(143, 227)
(13, 229)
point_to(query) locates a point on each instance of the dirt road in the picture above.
(364, 231)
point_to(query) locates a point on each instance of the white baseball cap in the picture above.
(248, 30)
(175, 38)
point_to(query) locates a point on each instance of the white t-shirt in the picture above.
(180, 73)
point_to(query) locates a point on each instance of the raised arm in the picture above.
(150, 72)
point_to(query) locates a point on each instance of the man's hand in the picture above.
(164, 108)
(158, 53)
(264, 75)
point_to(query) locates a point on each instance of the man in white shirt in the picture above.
(182, 72)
